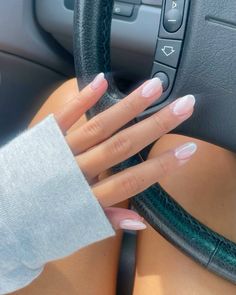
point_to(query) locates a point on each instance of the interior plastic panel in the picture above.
(31, 65)
(207, 70)
(21, 35)
(133, 40)
(24, 87)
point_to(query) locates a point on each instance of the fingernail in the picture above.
(97, 82)
(185, 151)
(183, 105)
(151, 88)
(131, 224)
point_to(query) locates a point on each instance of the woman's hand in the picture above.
(98, 146)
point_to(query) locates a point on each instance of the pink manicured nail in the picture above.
(183, 106)
(131, 224)
(151, 88)
(98, 81)
(185, 151)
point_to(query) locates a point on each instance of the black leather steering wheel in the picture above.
(206, 69)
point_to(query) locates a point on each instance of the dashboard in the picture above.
(134, 32)
(146, 40)
(36, 50)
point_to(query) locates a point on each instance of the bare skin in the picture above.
(98, 148)
(205, 187)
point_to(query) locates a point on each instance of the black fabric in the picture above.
(92, 55)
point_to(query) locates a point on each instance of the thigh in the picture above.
(90, 271)
(206, 187)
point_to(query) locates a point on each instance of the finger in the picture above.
(132, 181)
(87, 98)
(130, 141)
(124, 219)
(106, 123)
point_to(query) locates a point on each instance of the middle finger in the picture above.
(133, 139)
(106, 123)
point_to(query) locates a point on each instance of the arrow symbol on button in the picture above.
(168, 50)
(174, 4)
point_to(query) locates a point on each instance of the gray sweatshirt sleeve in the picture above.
(47, 210)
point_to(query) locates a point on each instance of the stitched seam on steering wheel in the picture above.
(213, 253)
(184, 214)
(191, 220)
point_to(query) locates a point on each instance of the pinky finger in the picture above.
(124, 219)
(77, 107)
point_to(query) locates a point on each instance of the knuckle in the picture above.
(130, 185)
(163, 166)
(131, 106)
(120, 145)
(95, 128)
(161, 124)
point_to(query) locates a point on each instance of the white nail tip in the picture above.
(130, 224)
(151, 87)
(98, 81)
(183, 105)
(185, 151)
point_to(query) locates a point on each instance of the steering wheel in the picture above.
(207, 33)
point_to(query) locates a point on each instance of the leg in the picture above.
(206, 188)
(90, 271)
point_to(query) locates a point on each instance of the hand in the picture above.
(98, 147)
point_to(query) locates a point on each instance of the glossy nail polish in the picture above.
(131, 224)
(98, 81)
(183, 106)
(151, 88)
(185, 151)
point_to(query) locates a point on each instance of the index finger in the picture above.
(78, 106)
(108, 122)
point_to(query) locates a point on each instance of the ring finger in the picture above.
(133, 139)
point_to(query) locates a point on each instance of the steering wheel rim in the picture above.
(92, 27)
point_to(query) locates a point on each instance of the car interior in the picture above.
(188, 44)
(37, 52)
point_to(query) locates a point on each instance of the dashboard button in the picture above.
(123, 9)
(69, 4)
(172, 20)
(164, 79)
(173, 15)
(168, 52)
(170, 73)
